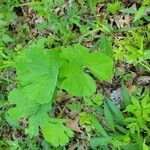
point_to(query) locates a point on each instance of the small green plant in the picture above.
(50, 94)
(138, 13)
(139, 110)
(133, 50)
(113, 8)
(40, 72)
(110, 130)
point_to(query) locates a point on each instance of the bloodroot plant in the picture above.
(40, 72)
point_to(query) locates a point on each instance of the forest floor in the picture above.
(117, 115)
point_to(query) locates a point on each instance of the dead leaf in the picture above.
(120, 20)
(74, 124)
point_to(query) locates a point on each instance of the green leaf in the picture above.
(145, 101)
(39, 119)
(95, 100)
(145, 147)
(139, 13)
(147, 54)
(133, 146)
(24, 105)
(130, 10)
(115, 110)
(28, 108)
(77, 82)
(77, 58)
(6, 38)
(92, 122)
(109, 117)
(125, 95)
(100, 129)
(100, 65)
(85, 118)
(113, 7)
(99, 141)
(37, 72)
(50, 133)
(135, 102)
(106, 47)
(50, 127)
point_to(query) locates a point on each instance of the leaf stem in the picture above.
(145, 66)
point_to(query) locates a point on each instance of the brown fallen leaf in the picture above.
(120, 20)
(74, 124)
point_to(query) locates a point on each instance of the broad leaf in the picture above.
(39, 119)
(37, 72)
(53, 130)
(77, 82)
(77, 59)
(100, 65)
(24, 105)
(56, 133)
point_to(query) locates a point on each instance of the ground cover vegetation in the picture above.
(75, 75)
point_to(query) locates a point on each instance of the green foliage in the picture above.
(38, 117)
(38, 70)
(116, 112)
(62, 25)
(139, 119)
(113, 8)
(6, 16)
(125, 95)
(92, 122)
(130, 10)
(139, 13)
(50, 133)
(78, 58)
(96, 100)
(38, 73)
(133, 48)
(106, 47)
(108, 117)
(19, 145)
(42, 56)
(135, 117)
(23, 108)
(75, 107)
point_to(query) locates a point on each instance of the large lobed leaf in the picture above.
(53, 129)
(38, 118)
(77, 59)
(56, 133)
(37, 72)
(24, 106)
